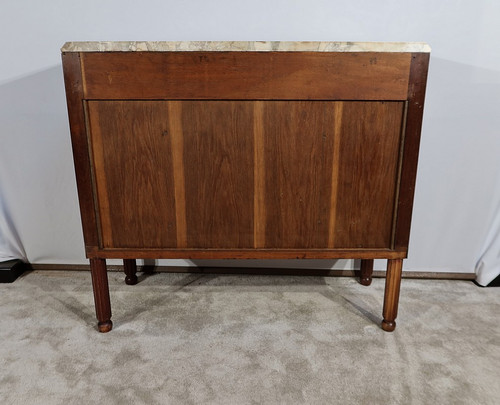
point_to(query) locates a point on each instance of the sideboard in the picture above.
(245, 150)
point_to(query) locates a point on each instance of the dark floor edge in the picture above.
(261, 271)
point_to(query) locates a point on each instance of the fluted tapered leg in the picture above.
(365, 277)
(391, 295)
(130, 267)
(101, 294)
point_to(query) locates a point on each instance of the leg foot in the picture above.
(391, 295)
(101, 294)
(105, 326)
(366, 272)
(130, 268)
(388, 326)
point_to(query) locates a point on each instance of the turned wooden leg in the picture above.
(391, 296)
(130, 268)
(101, 294)
(365, 277)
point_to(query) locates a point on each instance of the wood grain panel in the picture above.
(266, 75)
(134, 173)
(299, 138)
(219, 164)
(368, 163)
(242, 174)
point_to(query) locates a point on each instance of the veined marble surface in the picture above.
(225, 46)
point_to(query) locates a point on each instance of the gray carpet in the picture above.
(201, 339)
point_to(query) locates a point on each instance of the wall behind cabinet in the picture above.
(458, 184)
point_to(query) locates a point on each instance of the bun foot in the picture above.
(388, 326)
(131, 280)
(130, 268)
(366, 272)
(365, 281)
(105, 326)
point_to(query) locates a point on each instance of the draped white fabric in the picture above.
(456, 221)
(488, 265)
(11, 246)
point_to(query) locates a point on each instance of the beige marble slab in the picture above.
(242, 46)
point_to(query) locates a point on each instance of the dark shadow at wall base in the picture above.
(10, 270)
(495, 282)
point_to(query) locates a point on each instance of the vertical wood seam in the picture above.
(259, 222)
(398, 174)
(96, 154)
(176, 136)
(82, 69)
(93, 180)
(338, 111)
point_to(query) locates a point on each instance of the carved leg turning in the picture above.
(391, 296)
(130, 268)
(365, 277)
(101, 294)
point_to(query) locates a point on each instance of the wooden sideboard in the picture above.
(237, 150)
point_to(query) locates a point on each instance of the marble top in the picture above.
(242, 46)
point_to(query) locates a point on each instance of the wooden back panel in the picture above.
(246, 154)
(245, 174)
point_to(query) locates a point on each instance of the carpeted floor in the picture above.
(201, 339)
